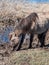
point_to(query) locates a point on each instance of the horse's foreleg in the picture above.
(21, 42)
(31, 39)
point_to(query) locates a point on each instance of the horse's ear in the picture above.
(10, 35)
(19, 19)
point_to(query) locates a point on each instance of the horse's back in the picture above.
(42, 26)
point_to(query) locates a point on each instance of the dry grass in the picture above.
(29, 57)
(13, 10)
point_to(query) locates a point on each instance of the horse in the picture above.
(31, 24)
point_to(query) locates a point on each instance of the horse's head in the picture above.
(15, 36)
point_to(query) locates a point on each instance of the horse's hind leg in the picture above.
(21, 42)
(42, 39)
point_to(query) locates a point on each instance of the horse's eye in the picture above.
(15, 34)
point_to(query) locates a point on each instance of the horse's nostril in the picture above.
(15, 34)
(12, 40)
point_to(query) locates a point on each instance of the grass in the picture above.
(29, 57)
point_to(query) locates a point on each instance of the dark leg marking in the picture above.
(14, 47)
(21, 42)
(42, 38)
(31, 39)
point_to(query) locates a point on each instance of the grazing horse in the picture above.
(31, 24)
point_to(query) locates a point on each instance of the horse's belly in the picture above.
(41, 30)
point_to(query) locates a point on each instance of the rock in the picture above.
(5, 49)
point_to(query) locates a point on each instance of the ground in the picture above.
(27, 57)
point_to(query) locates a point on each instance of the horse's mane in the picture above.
(26, 22)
